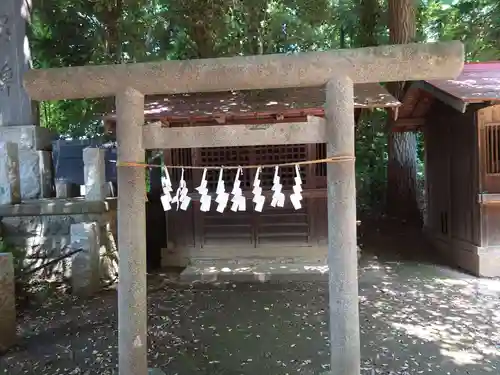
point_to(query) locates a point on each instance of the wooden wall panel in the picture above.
(452, 173)
(437, 149)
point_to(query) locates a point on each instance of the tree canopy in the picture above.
(83, 32)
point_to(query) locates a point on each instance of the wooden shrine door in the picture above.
(271, 227)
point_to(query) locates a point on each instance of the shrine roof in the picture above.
(478, 83)
(242, 106)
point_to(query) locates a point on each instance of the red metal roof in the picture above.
(478, 82)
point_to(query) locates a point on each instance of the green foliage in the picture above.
(82, 32)
(17, 254)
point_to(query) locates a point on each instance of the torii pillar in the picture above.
(338, 69)
(342, 247)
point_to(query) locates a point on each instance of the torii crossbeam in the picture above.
(338, 70)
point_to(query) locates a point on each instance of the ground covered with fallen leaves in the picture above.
(416, 318)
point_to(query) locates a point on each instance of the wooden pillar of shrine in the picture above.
(342, 257)
(132, 298)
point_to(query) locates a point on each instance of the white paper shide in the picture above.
(278, 198)
(239, 201)
(258, 198)
(235, 198)
(166, 184)
(296, 196)
(181, 198)
(205, 199)
(222, 197)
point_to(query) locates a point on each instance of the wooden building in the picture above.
(460, 120)
(274, 234)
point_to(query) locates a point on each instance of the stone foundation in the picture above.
(40, 231)
(476, 260)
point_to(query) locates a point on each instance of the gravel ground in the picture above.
(415, 318)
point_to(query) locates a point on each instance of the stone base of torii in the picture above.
(338, 70)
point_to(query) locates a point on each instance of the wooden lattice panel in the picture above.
(227, 156)
(278, 226)
(278, 155)
(231, 228)
(181, 157)
(492, 148)
(321, 154)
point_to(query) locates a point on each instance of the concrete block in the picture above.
(85, 270)
(35, 172)
(10, 185)
(29, 173)
(7, 302)
(66, 190)
(95, 173)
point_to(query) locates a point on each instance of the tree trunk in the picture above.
(402, 199)
(369, 14)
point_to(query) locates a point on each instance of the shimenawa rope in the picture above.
(331, 159)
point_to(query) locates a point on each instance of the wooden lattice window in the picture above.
(228, 156)
(321, 154)
(492, 148)
(181, 156)
(233, 156)
(277, 155)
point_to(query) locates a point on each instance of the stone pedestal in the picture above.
(35, 173)
(94, 172)
(10, 186)
(35, 162)
(85, 275)
(7, 302)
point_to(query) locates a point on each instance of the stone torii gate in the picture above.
(338, 70)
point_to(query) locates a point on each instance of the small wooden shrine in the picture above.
(460, 120)
(246, 237)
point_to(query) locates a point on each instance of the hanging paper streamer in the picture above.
(278, 198)
(166, 185)
(258, 198)
(239, 201)
(181, 197)
(296, 197)
(222, 196)
(205, 199)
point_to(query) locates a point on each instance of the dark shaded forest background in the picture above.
(85, 32)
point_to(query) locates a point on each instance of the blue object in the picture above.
(67, 158)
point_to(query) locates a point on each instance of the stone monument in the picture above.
(17, 123)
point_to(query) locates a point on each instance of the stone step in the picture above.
(261, 272)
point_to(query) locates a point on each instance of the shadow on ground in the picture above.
(416, 318)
